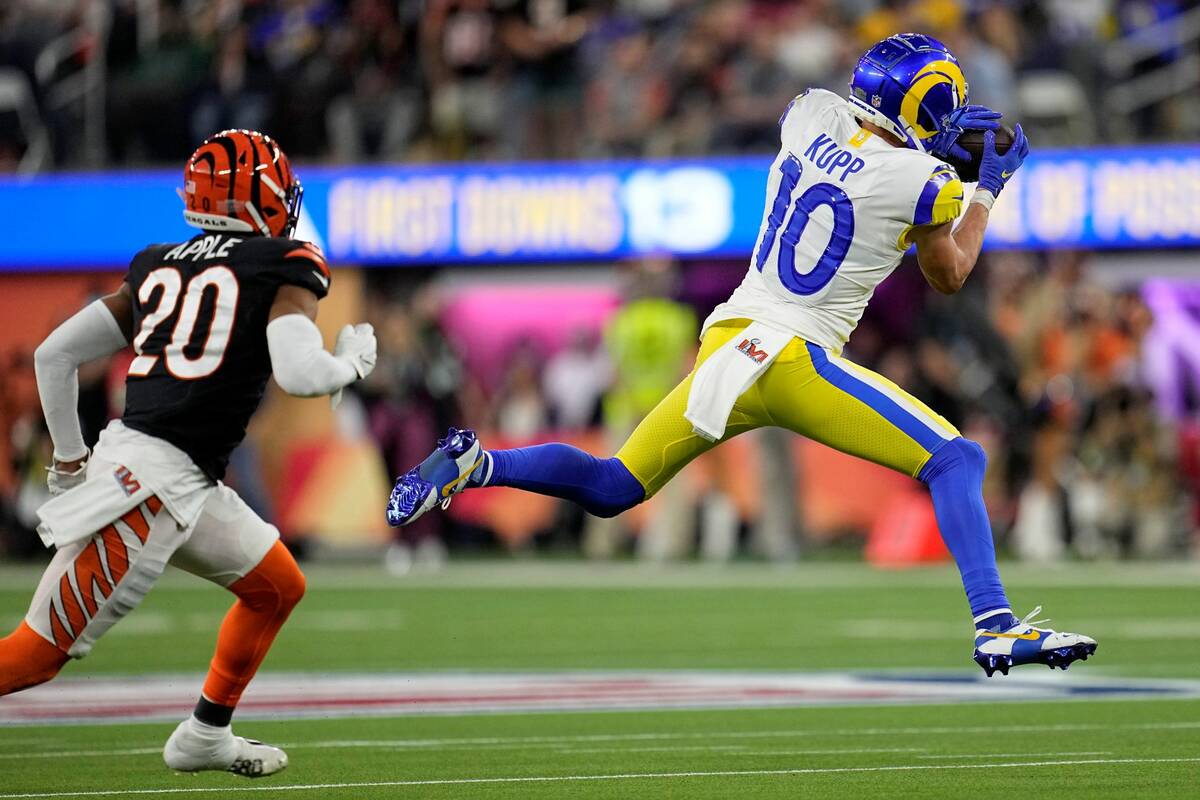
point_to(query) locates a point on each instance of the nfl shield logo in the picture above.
(876, 100)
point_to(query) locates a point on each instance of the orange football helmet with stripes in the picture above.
(240, 180)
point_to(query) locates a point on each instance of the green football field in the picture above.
(880, 639)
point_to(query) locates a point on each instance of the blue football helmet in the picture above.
(908, 84)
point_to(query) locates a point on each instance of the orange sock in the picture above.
(26, 659)
(266, 596)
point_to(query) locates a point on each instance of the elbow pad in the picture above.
(302, 365)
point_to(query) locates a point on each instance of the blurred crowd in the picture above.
(1036, 360)
(143, 81)
(1053, 373)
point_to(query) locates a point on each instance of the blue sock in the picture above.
(954, 475)
(602, 486)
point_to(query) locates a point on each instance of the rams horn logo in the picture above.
(932, 74)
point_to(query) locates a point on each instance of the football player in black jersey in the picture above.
(210, 320)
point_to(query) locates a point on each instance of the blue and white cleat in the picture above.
(998, 651)
(436, 479)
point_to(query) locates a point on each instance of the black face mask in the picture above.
(295, 196)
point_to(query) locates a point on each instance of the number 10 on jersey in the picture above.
(818, 276)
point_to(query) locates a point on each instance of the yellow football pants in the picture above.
(807, 390)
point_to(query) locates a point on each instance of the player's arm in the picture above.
(98, 330)
(302, 365)
(946, 254)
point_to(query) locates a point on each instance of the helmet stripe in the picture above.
(230, 148)
(274, 161)
(274, 187)
(205, 155)
(255, 180)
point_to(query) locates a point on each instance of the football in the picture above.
(972, 142)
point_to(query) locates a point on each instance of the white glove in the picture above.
(60, 482)
(356, 345)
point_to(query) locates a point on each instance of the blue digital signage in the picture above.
(1091, 198)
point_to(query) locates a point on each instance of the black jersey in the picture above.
(200, 313)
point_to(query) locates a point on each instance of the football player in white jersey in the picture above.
(857, 181)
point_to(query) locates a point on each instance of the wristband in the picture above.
(984, 197)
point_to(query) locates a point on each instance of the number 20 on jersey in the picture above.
(168, 284)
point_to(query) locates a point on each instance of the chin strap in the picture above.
(865, 114)
(914, 141)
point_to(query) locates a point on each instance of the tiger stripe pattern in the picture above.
(96, 572)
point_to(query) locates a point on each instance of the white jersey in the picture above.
(840, 204)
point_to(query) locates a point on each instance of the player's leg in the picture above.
(840, 404)
(233, 547)
(88, 587)
(661, 445)
(602, 486)
(835, 402)
(266, 596)
(28, 657)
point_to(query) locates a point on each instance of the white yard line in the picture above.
(1020, 755)
(700, 748)
(558, 742)
(627, 776)
(685, 735)
(836, 752)
(741, 750)
(131, 751)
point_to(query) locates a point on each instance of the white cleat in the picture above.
(195, 747)
(1025, 643)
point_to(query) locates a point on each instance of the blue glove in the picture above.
(996, 169)
(965, 118)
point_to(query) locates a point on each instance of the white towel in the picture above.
(82, 511)
(729, 372)
(126, 468)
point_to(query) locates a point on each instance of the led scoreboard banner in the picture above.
(1125, 197)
